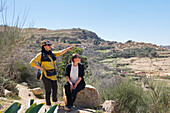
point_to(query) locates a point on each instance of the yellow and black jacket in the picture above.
(48, 61)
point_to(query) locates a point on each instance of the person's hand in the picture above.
(75, 86)
(71, 86)
(41, 68)
(71, 47)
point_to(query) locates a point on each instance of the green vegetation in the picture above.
(9, 42)
(10, 85)
(33, 108)
(165, 77)
(13, 108)
(13, 64)
(102, 51)
(127, 53)
(74, 42)
(121, 64)
(132, 98)
(103, 47)
(129, 41)
(66, 57)
(96, 42)
(163, 54)
(101, 65)
(128, 94)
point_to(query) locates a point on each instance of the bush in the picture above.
(11, 86)
(126, 94)
(96, 42)
(124, 64)
(137, 52)
(158, 97)
(132, 98)
(74, 42)
(122, 75)
(103, 47)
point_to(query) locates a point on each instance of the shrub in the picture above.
(129, 41)
(126, 94)
(132, 98)
(74, 42)
(137, 52)
(124, 64)
(96, 42)
(122, 75)
(11, 86)
(158, 97)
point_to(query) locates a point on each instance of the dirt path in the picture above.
(26, 95)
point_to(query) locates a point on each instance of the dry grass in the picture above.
(153, 67)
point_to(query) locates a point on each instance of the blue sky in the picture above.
(115, 20)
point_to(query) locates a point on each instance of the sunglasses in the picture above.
(78, 57)
(45, 43)
(48, 44)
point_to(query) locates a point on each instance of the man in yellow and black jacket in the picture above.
(47, 59)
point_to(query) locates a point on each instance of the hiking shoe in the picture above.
(47, 107)
(58, 103)
(67, 108)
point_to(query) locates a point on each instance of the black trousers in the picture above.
(50, 85)
(71, 96)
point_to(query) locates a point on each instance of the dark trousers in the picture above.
(71, 96)
(50, 85)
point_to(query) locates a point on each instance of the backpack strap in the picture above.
(51, 60)
(41, 60)
(40, 77)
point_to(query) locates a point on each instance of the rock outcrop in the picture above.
(109, 106)
(1, 91)
(88, 97)
(8, 93)
(38, 92)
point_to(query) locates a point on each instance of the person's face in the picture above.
(47, 47)
(77, 60)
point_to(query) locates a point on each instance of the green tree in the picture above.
(96, 42)
(129, 41)
(65, 58)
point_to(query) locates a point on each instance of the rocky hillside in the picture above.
(65, 36)
(78, 36)
(132, 45)
(168, 47)
(82, 37)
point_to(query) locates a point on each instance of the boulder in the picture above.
(37, 91)
(110, 106)
(1, 91)
(25, 84)
(7, 92)
(88, 97)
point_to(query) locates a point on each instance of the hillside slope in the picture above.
(85, 38)
(168, 46)
(82, 37)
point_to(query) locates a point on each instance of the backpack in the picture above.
(39, 71)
